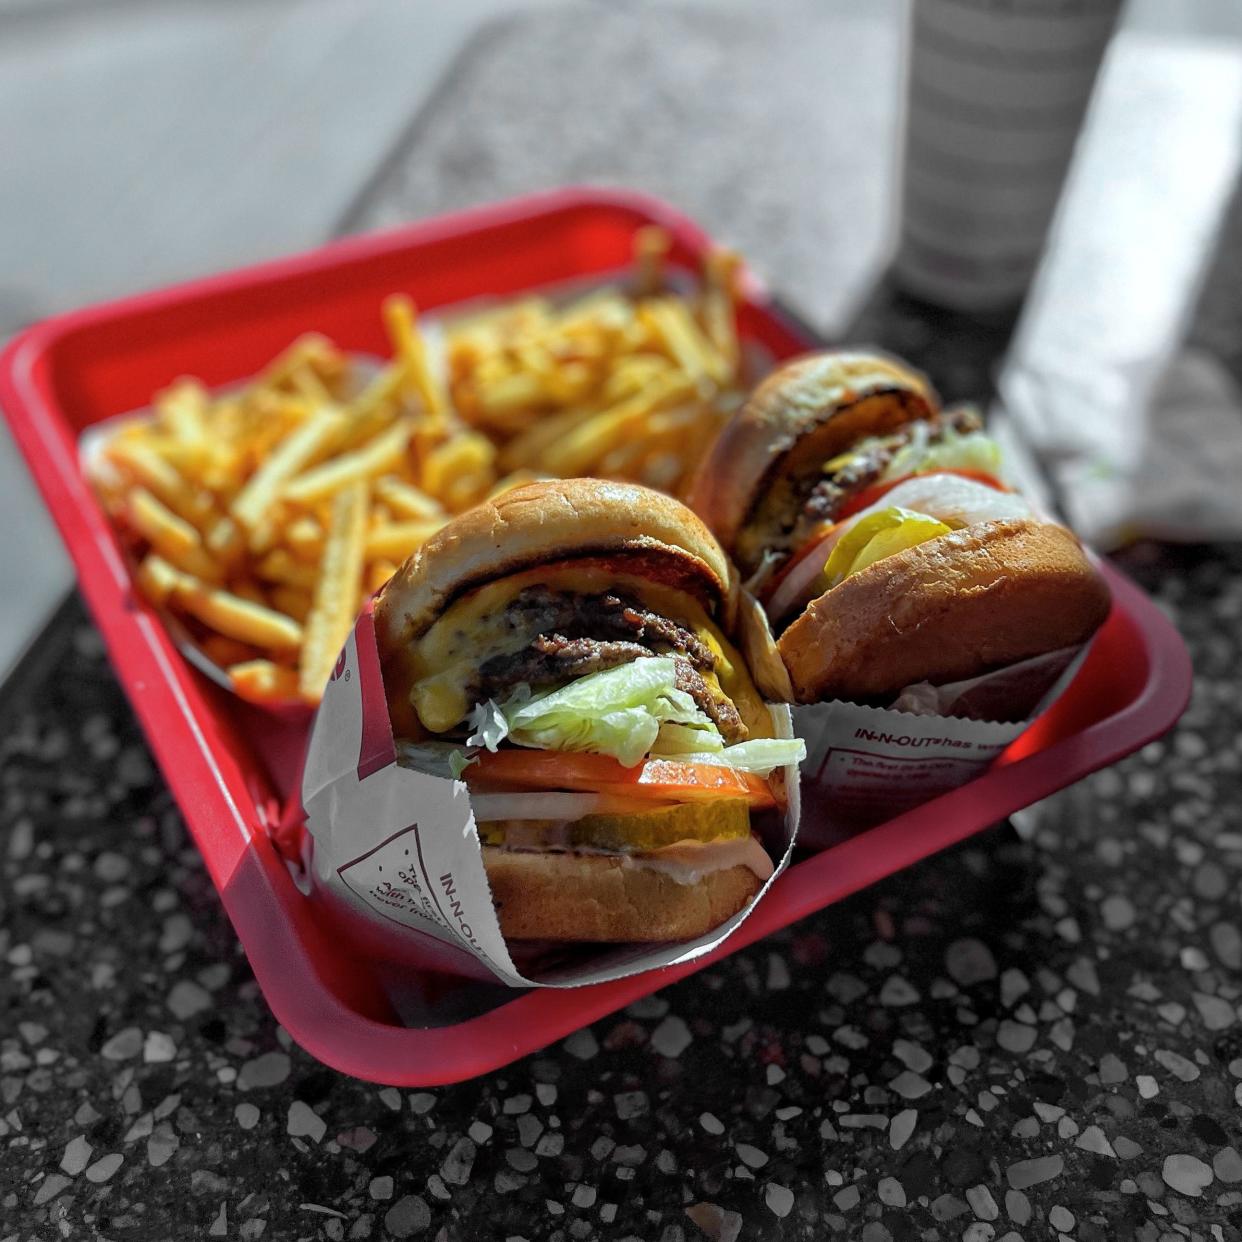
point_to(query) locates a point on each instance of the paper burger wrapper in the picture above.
(394, 853)
(865, 765)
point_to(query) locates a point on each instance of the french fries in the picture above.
(264, 516)
(568, 390)
(336, 592)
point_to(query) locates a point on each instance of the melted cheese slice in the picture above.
(477, 627)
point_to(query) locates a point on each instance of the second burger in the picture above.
(882, 540)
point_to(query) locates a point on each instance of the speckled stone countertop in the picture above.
(1018, 1038)
(1032, 1036)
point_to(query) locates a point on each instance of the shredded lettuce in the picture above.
(970, 451)
(628, 712)
(459, 761)
(618, 712)
(678, 739)
(488, 724)
(761, 755)
(436, 758)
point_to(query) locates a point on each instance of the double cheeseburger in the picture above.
(561, 649)
(878, 533)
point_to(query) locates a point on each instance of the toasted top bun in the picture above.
(851, 395)
(551, 521)
(956, 606)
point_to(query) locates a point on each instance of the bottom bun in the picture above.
(954, 607)
(603, 897)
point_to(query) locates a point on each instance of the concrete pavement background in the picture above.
(147, 141)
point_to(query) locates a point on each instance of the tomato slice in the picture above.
(869, 495)
(658, 779)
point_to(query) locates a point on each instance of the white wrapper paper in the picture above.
(865, 765)
(395, 853)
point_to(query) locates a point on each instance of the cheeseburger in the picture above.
(562, 649)
(878, 533)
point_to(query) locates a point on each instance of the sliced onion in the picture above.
(796, 584)
(565, 807)
(953, 500)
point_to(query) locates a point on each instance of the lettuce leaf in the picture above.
(628, 712)
(458, 761)
(761, 755)
(679, 739)
(488, 724)
(618, 712)
(972, 451)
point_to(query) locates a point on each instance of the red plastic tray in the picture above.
(229, 765)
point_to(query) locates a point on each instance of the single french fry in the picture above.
(460, 471)
(407, 500)
(396, 542)
(719, 305)
(386, 452)
(262, 681)
(301, 447)
(336, 592)
(182, 408)
(223, 651)
(175, 539)
(235, 617)
(401, 319)
(225, 542)
(157, 579)
(651, 247)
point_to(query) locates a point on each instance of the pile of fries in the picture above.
(264, 517)
(619, 387)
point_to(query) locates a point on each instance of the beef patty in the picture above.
(580, 634)
(865, 467)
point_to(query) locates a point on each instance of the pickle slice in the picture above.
(719, 819)
(876, 536)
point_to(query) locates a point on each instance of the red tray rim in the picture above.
(402, 1056)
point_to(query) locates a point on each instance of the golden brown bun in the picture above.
(953, 607)
(540, 523)
(861, 394)
(598, 897)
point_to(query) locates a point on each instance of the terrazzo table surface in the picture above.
(1023, 1038)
